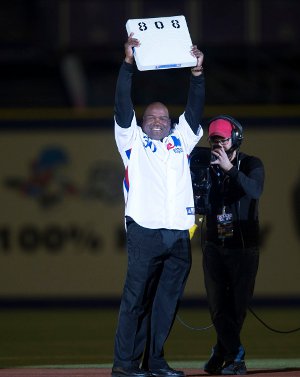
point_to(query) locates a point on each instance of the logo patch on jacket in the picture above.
(149, 144)
(190, 210)
(175, 145)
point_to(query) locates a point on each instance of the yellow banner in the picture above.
(61, 218)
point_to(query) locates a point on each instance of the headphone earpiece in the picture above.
(237, 129)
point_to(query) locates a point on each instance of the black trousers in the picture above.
(159, 261)
(229, 276)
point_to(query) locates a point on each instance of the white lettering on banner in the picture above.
(55, 239)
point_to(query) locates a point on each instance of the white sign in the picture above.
(165, 43)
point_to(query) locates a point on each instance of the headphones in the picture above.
(237, 130)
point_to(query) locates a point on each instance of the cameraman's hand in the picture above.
(221, 158)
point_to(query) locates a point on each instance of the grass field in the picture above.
(85, 337)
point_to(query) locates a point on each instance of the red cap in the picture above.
(220, 127)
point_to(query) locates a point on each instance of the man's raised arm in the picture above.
(123, 103)
(196, 96)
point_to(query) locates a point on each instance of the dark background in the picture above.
(66, 53)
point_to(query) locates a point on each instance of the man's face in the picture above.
(156, 122)
(219, 141)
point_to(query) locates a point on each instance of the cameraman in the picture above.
(231, 257)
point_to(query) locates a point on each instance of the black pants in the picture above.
(159, 261)
(229, 276)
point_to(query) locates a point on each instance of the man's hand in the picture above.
(129, 45)
(198, 69)
(222, 158)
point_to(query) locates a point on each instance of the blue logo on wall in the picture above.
(48, 181)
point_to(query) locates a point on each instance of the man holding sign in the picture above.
(159, 210)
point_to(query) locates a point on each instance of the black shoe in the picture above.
(214, 364)
(236, 368)
(166, 372)
(130, 372)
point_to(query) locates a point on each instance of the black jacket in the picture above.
(238, 191)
